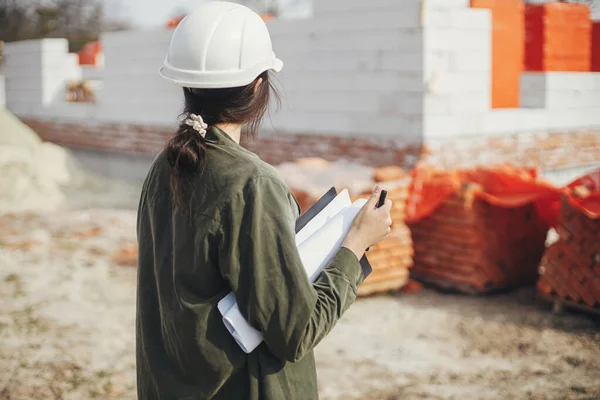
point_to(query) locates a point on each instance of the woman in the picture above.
(214, 218)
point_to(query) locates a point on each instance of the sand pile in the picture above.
(41, 176)
(31, 171)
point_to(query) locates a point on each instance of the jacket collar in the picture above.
(217, 136)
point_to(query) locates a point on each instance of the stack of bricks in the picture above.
(390, 259)
(558, 37)
(570, 269)
(471, 246)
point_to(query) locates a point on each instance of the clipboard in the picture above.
(315, 210)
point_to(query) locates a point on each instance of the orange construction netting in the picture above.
(502, 186)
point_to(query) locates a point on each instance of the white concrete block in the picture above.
(352, 82)
(24, 96)
(502, 121)
(446, 126)
(533, 120)
(368, 20)
(22, 73)
(72, 68)
(410, 62)
(343, 124)
(138, 39)
(455, 39)
(367, 103)
(142, 51)
(459, 103)
(447, 83)
(470, 102)
(142, 70)
(89, 72)
(435, 105)
(445, 4)
(532, 81)
(323, 7)
(28, 60)
(400, 103)
(436, 61)
(18, 84)
(563, 119)
(280, 27)
(404, 130)
(21, 109)
(354, 61)
(25, 46)
(59, 45)
(461, 61)
(570, 80)
(307, 122)
(341, 61)
(532, 99)
(409, 39)
(469, 19)
(84, 112)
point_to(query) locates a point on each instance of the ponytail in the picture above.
(185, 151)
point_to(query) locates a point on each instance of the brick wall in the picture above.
(146, 139)
(375, 152)
(544, 150)
(547, 151)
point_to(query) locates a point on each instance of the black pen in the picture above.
(380, 202)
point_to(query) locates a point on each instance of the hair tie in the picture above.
(197, 123)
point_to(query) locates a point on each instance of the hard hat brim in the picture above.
(217, 80)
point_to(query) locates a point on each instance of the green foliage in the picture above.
(79, 21)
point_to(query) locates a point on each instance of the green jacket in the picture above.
(238, 234)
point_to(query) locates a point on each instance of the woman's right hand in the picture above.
(370, 226)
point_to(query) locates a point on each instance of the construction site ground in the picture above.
(68, 283)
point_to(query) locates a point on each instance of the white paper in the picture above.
(319, 249)
(316, 251)
(341, 201)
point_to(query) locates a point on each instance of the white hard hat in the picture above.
(219, 45)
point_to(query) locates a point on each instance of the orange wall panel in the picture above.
(558, 37)
(508, 33)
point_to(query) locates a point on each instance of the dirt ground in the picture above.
(67, 328)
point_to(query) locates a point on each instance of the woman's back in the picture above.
(185, 350)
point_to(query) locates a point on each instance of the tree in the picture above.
(79, 21)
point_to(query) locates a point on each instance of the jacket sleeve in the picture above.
(260, 260)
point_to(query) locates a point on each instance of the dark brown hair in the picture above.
(238, 105)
